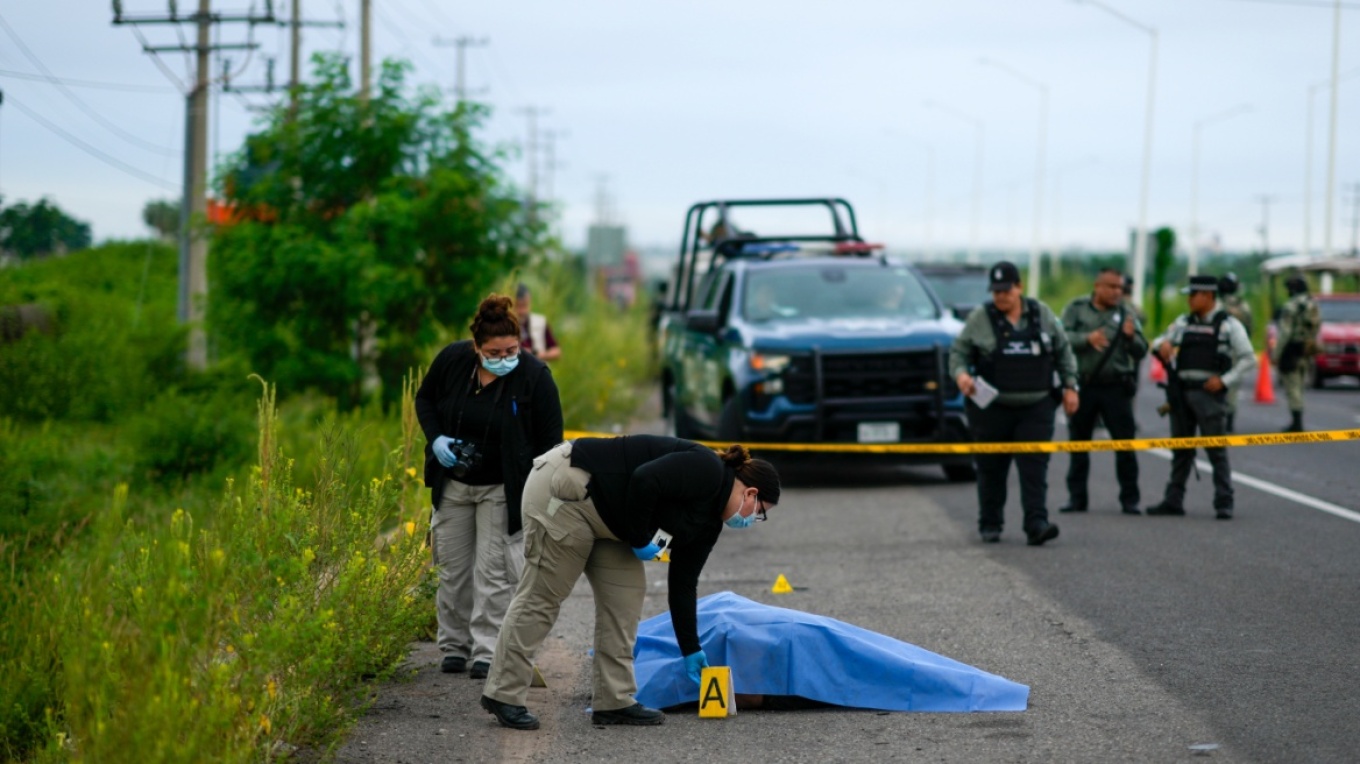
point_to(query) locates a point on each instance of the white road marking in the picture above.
(1276, 490)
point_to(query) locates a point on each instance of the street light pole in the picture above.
(1035, 251)
(977, 173)
(1331, 136)
(1141, 237)
(1194, 178)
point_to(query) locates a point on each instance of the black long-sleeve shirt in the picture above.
(642, 483)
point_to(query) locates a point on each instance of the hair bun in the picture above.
(736, 455)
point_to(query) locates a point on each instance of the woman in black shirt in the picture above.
(601, 506)
(487, 410)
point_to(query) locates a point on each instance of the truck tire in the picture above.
(729, 422)
(960, 473)
(679, 419)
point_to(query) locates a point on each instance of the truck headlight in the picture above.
(769, 363)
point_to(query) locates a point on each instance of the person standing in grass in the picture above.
(487, 410)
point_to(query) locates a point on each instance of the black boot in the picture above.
(1296, 422)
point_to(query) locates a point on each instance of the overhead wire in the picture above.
(96, 116)
(91, 150)
(84, 83)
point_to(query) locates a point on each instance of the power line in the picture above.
(96, 116)
(91, 150)
(85, 83)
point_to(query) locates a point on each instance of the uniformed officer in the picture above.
(1211, 354)
(1107, 340)
(1298, 323)
(1018, 347)
(1240, 309)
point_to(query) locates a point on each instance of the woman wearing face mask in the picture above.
(487, 410)
(601, 506)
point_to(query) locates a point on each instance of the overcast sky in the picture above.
(674, 102)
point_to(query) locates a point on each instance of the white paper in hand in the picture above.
(983, 393)
(661, 539)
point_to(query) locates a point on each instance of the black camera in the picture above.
(466, 457)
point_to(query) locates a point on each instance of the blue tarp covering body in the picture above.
(776, 651)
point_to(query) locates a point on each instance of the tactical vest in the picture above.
(1023, 359)
(1199, 347)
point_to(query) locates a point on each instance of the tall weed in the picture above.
(174, 640)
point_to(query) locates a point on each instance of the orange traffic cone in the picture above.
(1265, 391)
(1156, 370)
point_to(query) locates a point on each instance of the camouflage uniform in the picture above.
(1241, 310)
(1294, 346)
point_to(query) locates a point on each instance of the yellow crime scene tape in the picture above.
(1051, 447)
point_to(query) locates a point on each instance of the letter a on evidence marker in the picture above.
(715, 701)
(781, 585)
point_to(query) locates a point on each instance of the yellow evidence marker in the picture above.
(781, 585)
(715, 693)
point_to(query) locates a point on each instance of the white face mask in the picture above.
(739, 521)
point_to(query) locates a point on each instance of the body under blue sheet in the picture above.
(777, 651)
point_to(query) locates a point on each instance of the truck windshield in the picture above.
(1340, 311)
(825, 291)
(961, 287)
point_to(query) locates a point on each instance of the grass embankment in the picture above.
(191, 574)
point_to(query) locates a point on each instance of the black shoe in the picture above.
(514, 717)
(1038, 536)
(1165, 509)
(636, 714)
(453, 664)
(1072, 507)
(479, 670)
(1131, 509)
(1223, 513)
(991, 536)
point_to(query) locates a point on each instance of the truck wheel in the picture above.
(679, 420)
(960, 473)
(729, 422)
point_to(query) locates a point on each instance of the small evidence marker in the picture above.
(715, 693)
(538, 680)
(781, 585)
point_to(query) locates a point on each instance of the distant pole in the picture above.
(1355, 220)
(460, 45)
(1308, 173)
(1036, 235)
(531, 196)
(1194, 178)
(1141, 235)
(196, 192)
(365, 49)
(979, 130)
(294, 56)
(1331, 136)
(1265, 200)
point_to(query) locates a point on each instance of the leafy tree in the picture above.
(28, 231)
(356, 223)
(162, 215)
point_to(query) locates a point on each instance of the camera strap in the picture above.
(474, 382)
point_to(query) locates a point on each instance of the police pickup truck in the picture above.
(805, 338)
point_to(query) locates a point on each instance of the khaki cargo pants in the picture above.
(563, 538)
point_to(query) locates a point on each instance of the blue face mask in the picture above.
(500, 366)
(738, 521)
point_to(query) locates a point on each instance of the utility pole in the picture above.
(1355, 220)
(550, 163)
(1265, 200)
(461, 44)
(193, 249)
(294, 56)
(531, 197)
(365, 49)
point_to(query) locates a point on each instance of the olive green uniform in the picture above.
(1107, 390)
(1298, 327)
(1241, 310)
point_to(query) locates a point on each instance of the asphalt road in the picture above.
(1139, 637)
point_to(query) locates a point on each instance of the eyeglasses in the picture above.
(760, 511)
(493, 354)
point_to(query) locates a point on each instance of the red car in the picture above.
(1338, 343)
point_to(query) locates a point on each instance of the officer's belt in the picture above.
(1047, 447)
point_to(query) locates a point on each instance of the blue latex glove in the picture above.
(440, 446)
(694, 664)
(646, 553)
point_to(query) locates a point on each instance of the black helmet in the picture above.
(1228, 283)
(1296, 285)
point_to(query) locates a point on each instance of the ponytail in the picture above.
(755, 473)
